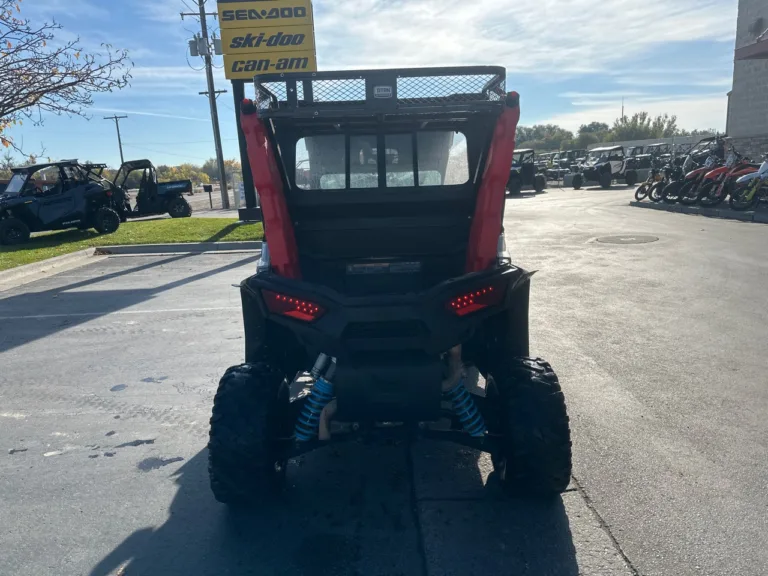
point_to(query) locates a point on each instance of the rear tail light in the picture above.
(295, 308)
(475, 301)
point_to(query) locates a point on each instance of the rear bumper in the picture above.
(354, 328)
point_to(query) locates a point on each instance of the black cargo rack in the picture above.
(464, 89)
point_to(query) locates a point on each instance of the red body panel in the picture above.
(712, 175)
(278, 228)
(693, 174)
(733, 174)
(743, 170)
(487, 222)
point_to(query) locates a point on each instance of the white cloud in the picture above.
(533, 36)
(706, 111)
(171, 81)
(72, 8)
(162, 10)
(606, 94)
(723, 82)
(166, 72)
(145, 113)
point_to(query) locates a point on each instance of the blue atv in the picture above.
(524, 173)
(153, 197)
(57, 196)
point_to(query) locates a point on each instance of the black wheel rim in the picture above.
(110, 222)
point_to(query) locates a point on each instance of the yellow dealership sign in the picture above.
(257, 40)
(266, 37)
(265, 14)
(246, 66)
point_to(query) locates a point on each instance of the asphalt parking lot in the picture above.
(107, 374)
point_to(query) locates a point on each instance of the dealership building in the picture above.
(748, 100)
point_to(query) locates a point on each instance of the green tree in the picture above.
(697, 132)
(593, 133)
(543, 137)
(211, 168)
(641, 126)
(6, 163)
(231, 167)
(585, 139)
(594, 128)
(636, 127)
(664, 126)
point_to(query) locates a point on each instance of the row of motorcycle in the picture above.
(707, 179)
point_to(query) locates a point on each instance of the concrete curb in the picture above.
(198, 248)
(724, 213)
(31, 272)
(49, 265)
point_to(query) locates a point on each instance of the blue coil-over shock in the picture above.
(319, 397)
(465, 408)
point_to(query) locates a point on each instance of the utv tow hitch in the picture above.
(291, 448)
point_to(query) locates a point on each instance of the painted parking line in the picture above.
(120, 312)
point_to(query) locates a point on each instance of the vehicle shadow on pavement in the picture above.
(354, 510)
(614, 188)
(31, 316)
(224, 232)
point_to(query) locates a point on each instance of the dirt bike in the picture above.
(751, 188)
(689, 185)
(654, 175)
(721, 181)
(670, 173)
(693, 166)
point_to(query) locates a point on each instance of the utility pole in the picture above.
(117, 119)
(217, 93)
(622, 108)
(206, 54)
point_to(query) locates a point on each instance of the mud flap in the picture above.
(506, 334)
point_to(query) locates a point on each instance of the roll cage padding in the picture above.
(278, 228)
(487, 223)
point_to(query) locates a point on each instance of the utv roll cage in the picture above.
(375, 106)
(432, 91)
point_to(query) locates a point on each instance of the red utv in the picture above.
(384, 281)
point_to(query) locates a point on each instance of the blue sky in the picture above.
(571, 60)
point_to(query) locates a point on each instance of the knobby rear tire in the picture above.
(251, 411)
(530, 414)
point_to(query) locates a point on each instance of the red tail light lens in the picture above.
(295, 308)
(475, 301)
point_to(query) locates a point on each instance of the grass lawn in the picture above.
(165, 231)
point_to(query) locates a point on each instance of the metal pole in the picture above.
(236, 191)
(214, 109)
(238, 89)
(117, 119)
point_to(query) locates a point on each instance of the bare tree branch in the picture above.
(40, 75)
